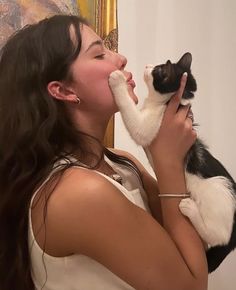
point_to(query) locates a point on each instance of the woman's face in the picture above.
(91, 72)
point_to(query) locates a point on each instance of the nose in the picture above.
(122, 61)
(118, 59)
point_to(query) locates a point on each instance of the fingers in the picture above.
(175, 100)
(182, 113)
(182, 85)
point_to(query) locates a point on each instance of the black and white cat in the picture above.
(212, 205)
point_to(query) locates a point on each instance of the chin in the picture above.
(134, 98)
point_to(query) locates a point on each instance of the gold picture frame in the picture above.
(102, 16)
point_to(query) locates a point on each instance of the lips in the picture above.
(130, 81)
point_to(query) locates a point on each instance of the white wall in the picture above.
(153, 31)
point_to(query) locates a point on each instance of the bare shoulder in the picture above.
(77, 191)
(78, 182)
(83, 187)
(81, 191)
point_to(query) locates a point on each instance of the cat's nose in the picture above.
(122, 61)
(149, 66)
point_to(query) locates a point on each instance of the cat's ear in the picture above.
(167, 71)
(168, 64)
(185, 61)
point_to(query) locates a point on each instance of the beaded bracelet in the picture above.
(183, 195)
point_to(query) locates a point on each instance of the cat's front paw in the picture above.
(118, 85)
(117, 79)
(189, 208)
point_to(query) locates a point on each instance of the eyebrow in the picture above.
(97, 42)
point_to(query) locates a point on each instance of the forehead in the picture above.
(88, 36)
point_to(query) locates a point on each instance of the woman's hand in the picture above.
(176, 134)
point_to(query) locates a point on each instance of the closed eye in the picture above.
(100, 56)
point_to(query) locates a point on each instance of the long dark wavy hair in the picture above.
(35, 132)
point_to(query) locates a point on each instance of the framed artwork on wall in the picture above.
(15, 14)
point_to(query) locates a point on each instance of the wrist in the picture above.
(174, 195)
(171, 178)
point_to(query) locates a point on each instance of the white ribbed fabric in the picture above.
(79, 272)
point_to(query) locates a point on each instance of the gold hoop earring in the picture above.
(78, 100)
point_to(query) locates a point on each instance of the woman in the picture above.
(73, 214)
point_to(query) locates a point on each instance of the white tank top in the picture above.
(79, 272)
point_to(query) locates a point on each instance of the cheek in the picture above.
(93, 85)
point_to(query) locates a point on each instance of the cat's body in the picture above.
(212, 205)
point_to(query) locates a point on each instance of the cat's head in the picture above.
(166, 77)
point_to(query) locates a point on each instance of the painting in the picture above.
(102, 15)
(14, 14)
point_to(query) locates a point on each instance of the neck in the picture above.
(94, 127)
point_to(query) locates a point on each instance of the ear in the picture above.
(185, 61)
(168, 65)
(59, 91)
(167, 71)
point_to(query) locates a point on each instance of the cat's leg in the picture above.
(189, 208)
(117, 82)
(215, 201)
(142, 125)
